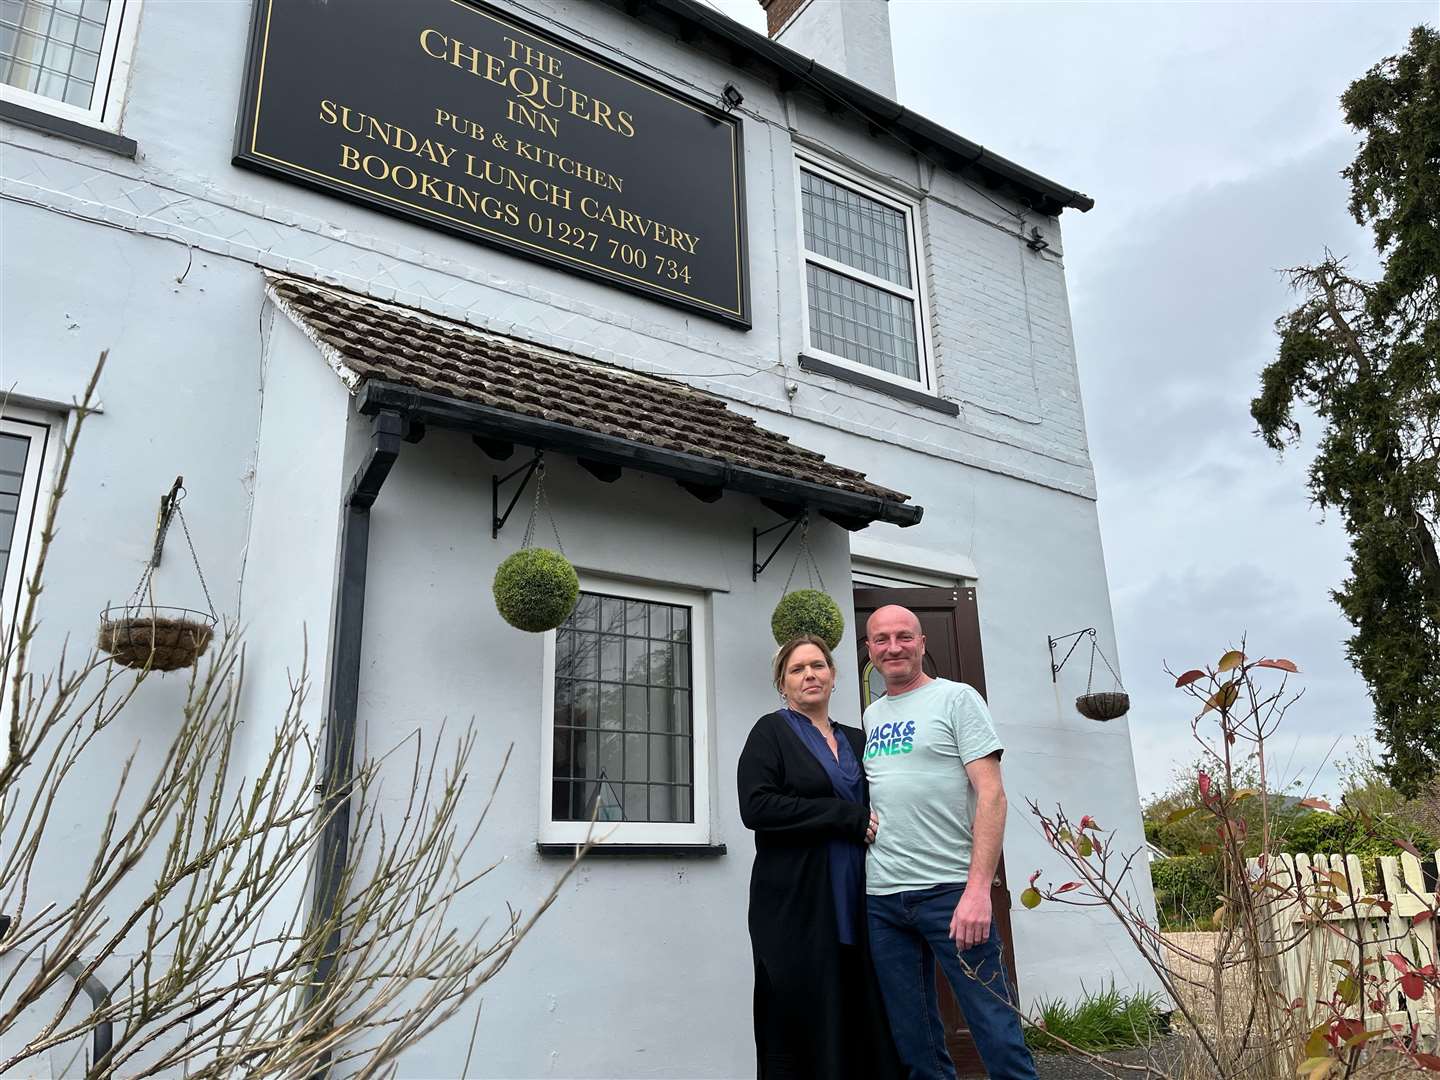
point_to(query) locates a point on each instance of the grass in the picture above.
(1102, 1020)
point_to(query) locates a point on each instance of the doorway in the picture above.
(950, 621)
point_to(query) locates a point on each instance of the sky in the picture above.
(1210, 136)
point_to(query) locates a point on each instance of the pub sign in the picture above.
(455, 114)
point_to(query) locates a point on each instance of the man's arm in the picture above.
(970, 925)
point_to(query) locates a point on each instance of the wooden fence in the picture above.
(1375, 917)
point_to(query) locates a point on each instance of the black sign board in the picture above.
(455, 114)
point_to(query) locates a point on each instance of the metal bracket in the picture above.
(756, 566)
(497, 519)
(1077, 635)
(168, 502)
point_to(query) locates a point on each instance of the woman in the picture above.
(818, 1014)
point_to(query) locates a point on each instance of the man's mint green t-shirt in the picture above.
(917, 745)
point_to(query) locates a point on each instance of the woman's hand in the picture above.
(872, 828)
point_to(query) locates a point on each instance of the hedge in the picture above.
(1186, 889)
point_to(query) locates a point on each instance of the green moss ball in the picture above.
(807, 611)
(536, 589)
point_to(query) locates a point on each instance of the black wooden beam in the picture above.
(706, 493)
(506, 426)
(604, 471)
(847, 522)
(499, 449)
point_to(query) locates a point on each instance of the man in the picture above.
(933, 761)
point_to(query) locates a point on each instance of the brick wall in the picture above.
(778, 12)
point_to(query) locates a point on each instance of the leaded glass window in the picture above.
(624, 710)
(14, 449)
(61, 56)
(861, 277)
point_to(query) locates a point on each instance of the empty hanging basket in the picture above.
(141, 634)
(1107, 705)
(157, 638)
(1093, 705)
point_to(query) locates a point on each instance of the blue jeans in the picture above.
(909, 931)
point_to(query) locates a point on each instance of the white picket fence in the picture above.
(1306, 969)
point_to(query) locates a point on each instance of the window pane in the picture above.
(79, 93)
(846, 226)
(41, 57)
(623, 739)
(862, 323)
(13, 451)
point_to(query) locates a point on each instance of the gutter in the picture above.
(850, 510)
(1050, 197)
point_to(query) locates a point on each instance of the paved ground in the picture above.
(1069, 1067)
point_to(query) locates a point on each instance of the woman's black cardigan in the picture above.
(787, 799)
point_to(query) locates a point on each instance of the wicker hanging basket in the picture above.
(1106, 705)
(140, 634)
(155, 638)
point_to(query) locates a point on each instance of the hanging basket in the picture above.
(807, 611)
(155, 638)
(1107, 705)
(536, 589)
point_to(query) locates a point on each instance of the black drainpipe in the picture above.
(102, 1037)
(339, 767)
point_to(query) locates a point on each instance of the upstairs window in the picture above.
(67, 57)
(862, 277)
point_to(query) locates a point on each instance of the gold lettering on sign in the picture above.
(537, 97)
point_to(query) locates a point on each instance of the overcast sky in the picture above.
(1210, 137)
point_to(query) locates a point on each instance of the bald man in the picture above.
(933, 761)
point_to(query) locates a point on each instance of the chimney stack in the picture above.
(848, 36)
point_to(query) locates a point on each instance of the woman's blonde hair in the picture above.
(782, 658)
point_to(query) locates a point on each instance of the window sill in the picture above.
(635, 851)
(880, 386)
(73, 130)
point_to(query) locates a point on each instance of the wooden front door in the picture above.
(951, 624)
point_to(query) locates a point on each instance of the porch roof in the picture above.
(446, 374)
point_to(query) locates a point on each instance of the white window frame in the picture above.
(916, 293)
(112, 77)
(44, 433)
(621, 833)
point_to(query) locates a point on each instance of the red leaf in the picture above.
(1401, 964)
(1422, 917)
(1205, 785)
(1346, 1027)
(1189, 677)
(1283, 665)
(1413, 985)
(1316, 804)
(1088, 822)
(1429, 1061)
(1406, 845)
(1069, 886)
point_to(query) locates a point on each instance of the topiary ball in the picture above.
(536, 589)
(807, 611)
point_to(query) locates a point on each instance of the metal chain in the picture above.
(194, 558)
(147, 576)
(1095, 648)
(812, 568)
(541, 498)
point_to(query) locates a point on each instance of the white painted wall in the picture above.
(95, 253)
(848, 36)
